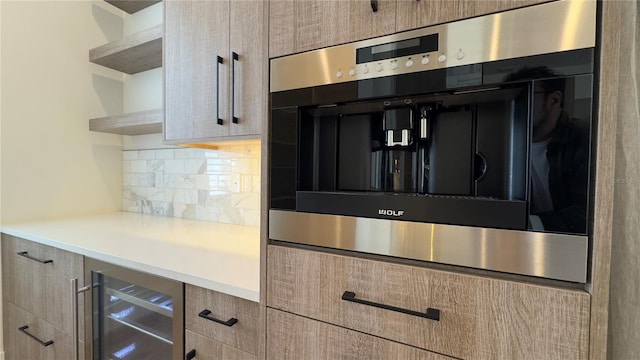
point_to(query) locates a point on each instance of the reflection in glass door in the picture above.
(132, 321)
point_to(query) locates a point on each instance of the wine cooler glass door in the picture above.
(130, 321)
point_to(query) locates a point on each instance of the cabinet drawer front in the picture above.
(479, 317)
(43, 289)
(207, 349)
(294, 337)
(19, 345)
(202, 306)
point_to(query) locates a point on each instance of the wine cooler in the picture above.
(132, 315)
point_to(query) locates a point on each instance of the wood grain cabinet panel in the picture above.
(479, 317)
(294, 337)
(248, 40)
(412, 14)
(242, 335)
(203, 95)
(207, 349)
(44, 289)
(18, 345)
(297, 26)
(196, 33)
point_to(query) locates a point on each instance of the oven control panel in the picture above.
(472, 41)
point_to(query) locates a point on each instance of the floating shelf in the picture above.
(139, 123)
(132, 54)
(132, 6)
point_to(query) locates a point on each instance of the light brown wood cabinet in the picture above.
(297, 26)
(215, 70)
(293, 337)
(36, 279)
(479, 317)
(220, 325)
(203, 348)
(19, 345)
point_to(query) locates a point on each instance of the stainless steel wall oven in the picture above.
(466, 143)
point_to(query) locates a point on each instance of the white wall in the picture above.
(52, 165)
(143, 91)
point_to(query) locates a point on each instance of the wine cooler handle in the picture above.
(234, 58)
(43, 343)
(218, 62)
(26, 254)
(205, 314)
(190, 355)
(432, 314)
(74, 310)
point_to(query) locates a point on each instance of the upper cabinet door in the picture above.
(297, 26)
(196, 84)
(414, 14)
(249, 71)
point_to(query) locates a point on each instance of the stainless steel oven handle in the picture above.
(74, 310)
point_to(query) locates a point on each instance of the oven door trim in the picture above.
(547, 255)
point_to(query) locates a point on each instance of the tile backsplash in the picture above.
(221, 185)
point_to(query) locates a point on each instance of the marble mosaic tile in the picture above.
(221, 185)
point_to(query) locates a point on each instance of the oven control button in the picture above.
(339, 74)
(442, 58)
(379, 68)
(352, 72)
(366, 70)
(394, 65)
(425, 60)
(409, 63)
(460, 55)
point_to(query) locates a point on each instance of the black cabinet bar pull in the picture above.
(26, 254)
(234, 58)
(190, 355)
(43, 343)
(432, 314)
(218, 62)
(374, 5)
(205, 314)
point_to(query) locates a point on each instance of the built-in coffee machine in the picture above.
(443, 144)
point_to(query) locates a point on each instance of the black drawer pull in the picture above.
(26, 254)
(190, 355)
(432, 314)
(234, 58)
(374, 5)
(43, 343)
(205, 314)
(218, 62)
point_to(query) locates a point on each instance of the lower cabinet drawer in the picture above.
(31, 342)
(228, 319)
(38, 277)
(201, 348)
(294, 337)
(469, 317)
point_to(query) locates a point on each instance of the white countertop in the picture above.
(215, 256)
